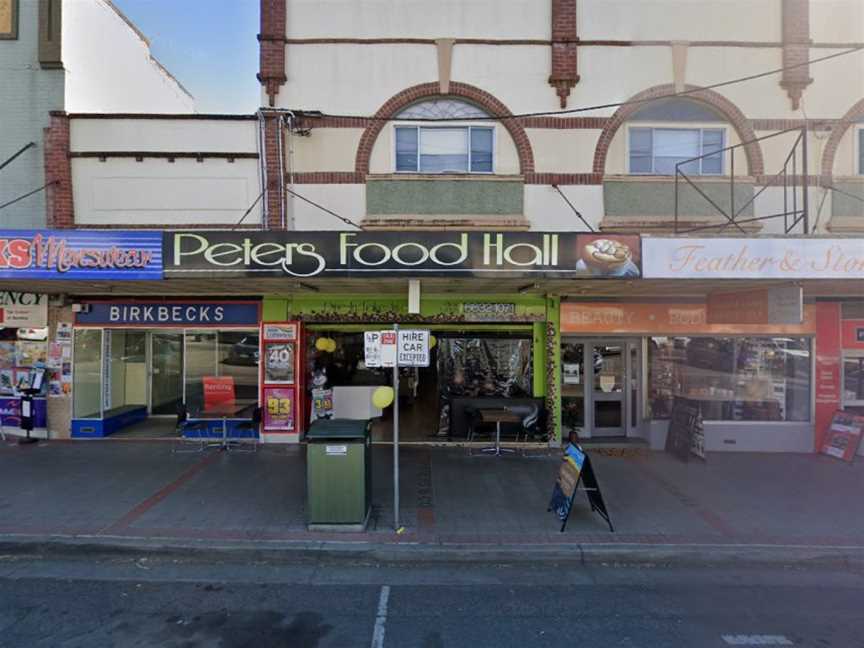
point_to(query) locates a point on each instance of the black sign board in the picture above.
(859, 334)
(575, 471)
(686, 434)
(302, 254)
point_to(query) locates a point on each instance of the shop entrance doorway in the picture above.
(601, 386)
(468, 371)
(166, 372)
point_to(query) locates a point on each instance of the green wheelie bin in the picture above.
(338, 474)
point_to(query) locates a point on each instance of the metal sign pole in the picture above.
(396, 433)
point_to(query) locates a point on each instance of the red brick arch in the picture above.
(716, 101)
(416, 93)
(837, 133)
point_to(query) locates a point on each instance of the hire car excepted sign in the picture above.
(418, 253)
(80, 254)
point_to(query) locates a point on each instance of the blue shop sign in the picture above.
(155, 314)
(80, 254)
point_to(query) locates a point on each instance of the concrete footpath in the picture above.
(139, 496)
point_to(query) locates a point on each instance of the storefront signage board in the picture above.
(160, 313)
(88, 255)
(659, 319)
(686, 433)
(400, 254)
(488, 311)
(413, 348)
(286, 332)
(827, 373)
(576, 470)
(777, 305)
(10, 412)
(279, 409)
(279, 362)
(843, 436)
(282, 389)
(23, 310)
(752, 258)
(219, 391)
(853, 334)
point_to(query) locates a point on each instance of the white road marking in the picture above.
(381, 619)
(757, 640)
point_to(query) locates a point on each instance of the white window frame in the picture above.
(700, 128)
(467, 127)
(859, 150)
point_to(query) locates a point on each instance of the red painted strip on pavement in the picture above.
(159, 495)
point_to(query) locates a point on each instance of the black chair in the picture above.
(183, 426)
(252, 425)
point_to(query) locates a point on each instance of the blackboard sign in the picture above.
(576, 469)
(686, 433)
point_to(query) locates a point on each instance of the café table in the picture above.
(225, 412)
(498, 415)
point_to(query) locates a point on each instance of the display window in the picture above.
(21, 351)
(214, 372)
(732, 378)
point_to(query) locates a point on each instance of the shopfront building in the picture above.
(142, 360)
(24, 358)
(625, 363)
(765, 341)
(37, 335)
(484, 297)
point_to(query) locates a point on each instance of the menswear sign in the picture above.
(753, 258)
(362, 254)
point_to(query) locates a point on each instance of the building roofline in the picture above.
(146, 42)
(197, 116)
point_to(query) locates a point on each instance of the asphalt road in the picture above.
(140, 602)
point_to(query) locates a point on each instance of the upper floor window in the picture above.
(448, 148)
(463, 149)
(658, 150)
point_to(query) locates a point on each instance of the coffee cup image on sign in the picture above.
(608, 258)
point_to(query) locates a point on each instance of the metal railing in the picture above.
(795, 197)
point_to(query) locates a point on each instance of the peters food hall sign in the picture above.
(302, 255)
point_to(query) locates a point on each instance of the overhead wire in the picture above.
(616, 104)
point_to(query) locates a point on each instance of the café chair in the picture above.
(183, 427)
(252, 425)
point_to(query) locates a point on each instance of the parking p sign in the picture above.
(380, 348)
(413, 348)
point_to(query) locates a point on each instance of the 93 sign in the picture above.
(279, 409)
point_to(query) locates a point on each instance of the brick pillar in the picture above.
(564, 49)
(271, 41)
(796, 49)
(275, 197)
(59, 210)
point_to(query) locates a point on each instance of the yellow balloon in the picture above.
(321, 344)
(432, 341)
(331, 345)
(382, 397)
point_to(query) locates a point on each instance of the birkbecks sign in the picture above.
(436, 254)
